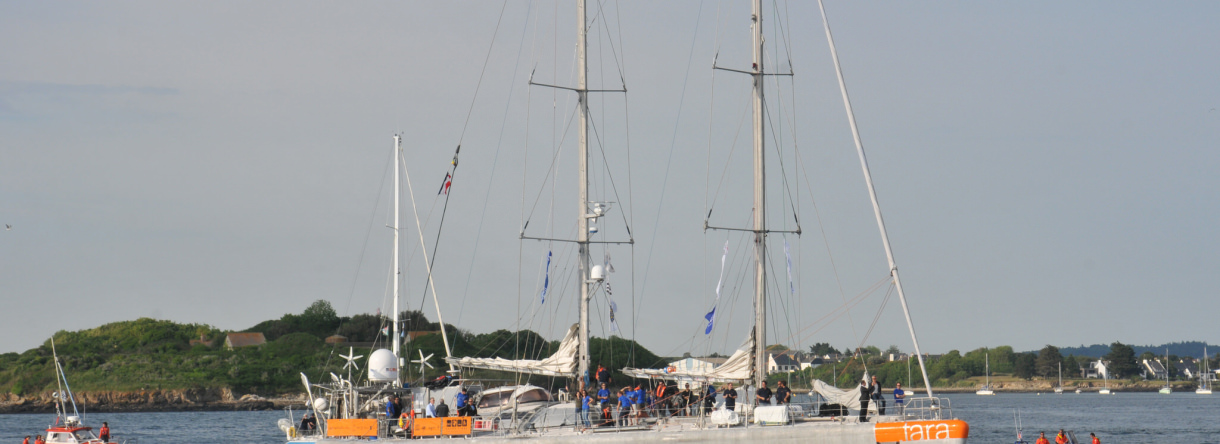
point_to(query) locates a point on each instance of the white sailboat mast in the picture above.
(397, 272)
(760, 206)
(582, 224)
(872, 194)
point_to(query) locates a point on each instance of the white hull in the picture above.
(1104, 392)
(1165, 390)
(985, 392)
(1203, 391)
(822, 432)
(1058, 391)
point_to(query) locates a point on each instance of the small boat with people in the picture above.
(69, 428)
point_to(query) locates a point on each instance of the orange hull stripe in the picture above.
(921, 430)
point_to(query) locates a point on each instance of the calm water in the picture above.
(1135, 418)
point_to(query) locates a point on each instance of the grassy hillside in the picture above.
(156, 354)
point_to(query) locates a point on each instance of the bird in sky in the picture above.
(8, 227)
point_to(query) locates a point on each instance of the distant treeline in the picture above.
(157, 354)
(1193, 349)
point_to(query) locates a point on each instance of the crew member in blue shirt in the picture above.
(461, 401)
(585, 402)
(624, 407)
(709, 399)
(603, 395)
(899, 396)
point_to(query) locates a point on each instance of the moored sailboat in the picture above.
(986, 390)
(1205, 376)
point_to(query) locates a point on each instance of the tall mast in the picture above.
(872, 194)
(582, 160)
(397, 272)
(760, 207)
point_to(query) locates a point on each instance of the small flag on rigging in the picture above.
(445, 184)
(385, 331)
(546, 282)
(711, 315)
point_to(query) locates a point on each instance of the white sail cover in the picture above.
(562, 363)
(738, 368)
(846, 398)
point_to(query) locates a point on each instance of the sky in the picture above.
(1046, 170)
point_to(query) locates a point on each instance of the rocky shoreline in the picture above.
(185, 400)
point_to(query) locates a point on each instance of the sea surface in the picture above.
(1129, 418)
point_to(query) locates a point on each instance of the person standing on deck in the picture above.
(430, 412)
(624, 408)
(637, 404)
(603, 395)
(27, 440)
(763, 395)
(104, 432)
(462, 402)
(1091, 435)
(709, 399)
(602, 376)
(865, 393)
(876, 397)
(730, 397)
(899, 396)
(782, 394)
(442, 409)
(1042, 439)
(586, 402)
(1061, 438)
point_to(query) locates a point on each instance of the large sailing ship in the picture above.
(344, 411)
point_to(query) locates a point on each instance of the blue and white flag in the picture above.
(613, 323)
(711, 315)
(787, 255)
(546, 282)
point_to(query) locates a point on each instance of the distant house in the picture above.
(811, 362)
(336, 339)
(1095, 369)
(411, 335)
(1186, 369)
(1152, 369)
(781, 363)
(203, 340)
(238, 340)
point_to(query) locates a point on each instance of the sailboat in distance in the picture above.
(1166, 389)
(986, 390)
(1059, 388)
(1205, 376)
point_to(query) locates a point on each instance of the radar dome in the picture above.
(321, 404)
(383, 366)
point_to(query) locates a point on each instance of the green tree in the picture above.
(1071, 366)
(1048, 361)
(1025, 365)
(822, 349)
(1121, 361)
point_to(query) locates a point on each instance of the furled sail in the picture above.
(738, 368)
(562, 363)
(846, 398)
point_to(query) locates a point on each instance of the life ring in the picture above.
(292, 432)
(670, 369)
(404, 421)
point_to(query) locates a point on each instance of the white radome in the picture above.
(321, 404)
(383, 366)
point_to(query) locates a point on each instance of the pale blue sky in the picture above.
(1047, 169)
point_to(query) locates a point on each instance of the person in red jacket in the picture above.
(27, 440)
(104, 432)
(1095, 440)
(1042, 439)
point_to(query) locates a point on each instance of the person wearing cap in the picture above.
(865, 393)
(462, 402)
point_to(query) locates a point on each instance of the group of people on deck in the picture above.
(102, 434)
(870, 391)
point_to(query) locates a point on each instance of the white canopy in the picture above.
(738, 368)
(562, 363)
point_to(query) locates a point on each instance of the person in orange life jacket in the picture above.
(1061, 438)
(27, 440)
(1042, 439)
(38, 440)
(1095, 440)
(602, 375)
(104, 432)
